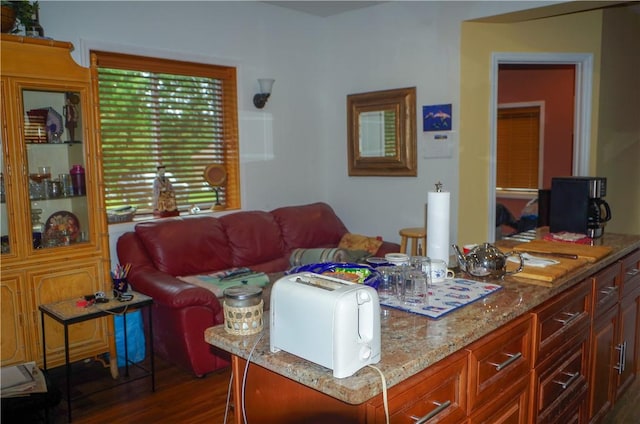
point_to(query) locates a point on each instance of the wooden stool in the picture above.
(417, 235)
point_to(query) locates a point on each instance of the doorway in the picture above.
(582, 66)
(535, 138)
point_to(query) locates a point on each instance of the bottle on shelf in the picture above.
(37, 228)
(77, 180)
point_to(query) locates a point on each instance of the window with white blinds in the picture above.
(160, 112)
(518, 149)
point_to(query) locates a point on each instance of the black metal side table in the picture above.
(67, 312)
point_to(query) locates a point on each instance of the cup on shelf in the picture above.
(66, 187)
(44, 172)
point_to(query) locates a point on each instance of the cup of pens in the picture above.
(119, 279)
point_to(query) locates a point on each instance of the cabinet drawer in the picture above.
(498, 360)
(561, 380)
(512, 406)
(559, 319)
(437, 394)
(630, 273)
(606, 286)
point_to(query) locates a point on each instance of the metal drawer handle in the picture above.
(633, 271)
(440, 407)
(512, 358)
(622, 357)
(609, 290)
(571, 316)
(620, 365)
(572, 377)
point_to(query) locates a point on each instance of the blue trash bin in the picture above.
(136, 347)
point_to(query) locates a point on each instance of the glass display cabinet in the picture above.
(53, 224)
(55, 163)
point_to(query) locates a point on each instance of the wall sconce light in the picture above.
(260, 99)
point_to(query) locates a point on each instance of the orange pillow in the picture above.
(359, 242)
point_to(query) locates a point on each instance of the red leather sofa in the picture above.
(159, 251)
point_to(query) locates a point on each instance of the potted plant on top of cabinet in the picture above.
(18, 15)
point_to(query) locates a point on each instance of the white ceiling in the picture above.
(324, 8)
(328, 8)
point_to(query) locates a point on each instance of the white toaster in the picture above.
(331, 322)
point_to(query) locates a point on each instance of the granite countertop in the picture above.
(411, 343)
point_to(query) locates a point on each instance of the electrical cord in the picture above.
(226, 409)
(244, 377)
(124, 311)
(385, 401)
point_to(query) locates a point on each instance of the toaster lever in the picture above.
(365, 311)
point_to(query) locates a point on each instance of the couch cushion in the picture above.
(314, 225)
(186, 246)
(254, 237)
(360, 242)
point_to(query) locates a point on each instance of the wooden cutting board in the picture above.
(547, 275)
(590, 253)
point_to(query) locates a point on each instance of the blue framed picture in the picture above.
(436, 118)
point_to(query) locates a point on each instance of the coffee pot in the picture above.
(598, 213)
(486, 261)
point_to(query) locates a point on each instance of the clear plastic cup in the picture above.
(391, 278)
(416, 288)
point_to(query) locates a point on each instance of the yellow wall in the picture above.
(619, 126)
(575, 33)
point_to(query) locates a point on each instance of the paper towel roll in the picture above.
(438, 225)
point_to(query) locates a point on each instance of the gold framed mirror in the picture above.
(381, 133)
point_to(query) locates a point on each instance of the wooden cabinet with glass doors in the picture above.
(52, 220)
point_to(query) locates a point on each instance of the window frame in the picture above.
(228, 77)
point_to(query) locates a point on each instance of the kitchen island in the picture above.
(452, 357)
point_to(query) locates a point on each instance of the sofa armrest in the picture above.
(165, 289)
(170, 291)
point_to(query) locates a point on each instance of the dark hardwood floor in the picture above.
(182, 398)
(179, 397)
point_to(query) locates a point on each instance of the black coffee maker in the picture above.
(577, 206)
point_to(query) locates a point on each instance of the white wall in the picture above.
(294, 150)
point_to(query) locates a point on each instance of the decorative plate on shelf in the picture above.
(61, 228)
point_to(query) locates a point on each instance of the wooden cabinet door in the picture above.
(65, 281)
(628, 341)
(602, 361)
(15, 322)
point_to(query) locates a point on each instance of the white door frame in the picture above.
(583, 63)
